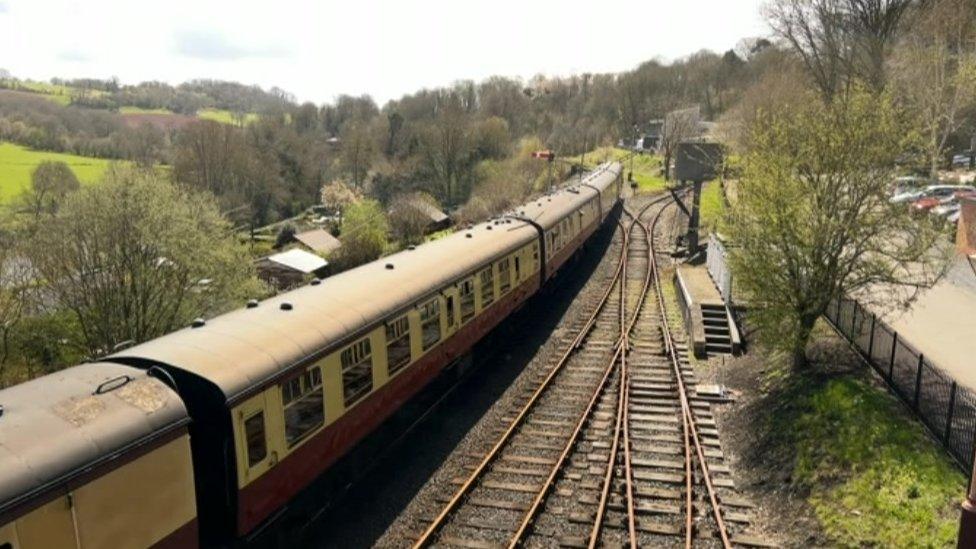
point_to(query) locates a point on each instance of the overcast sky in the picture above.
(318, 50)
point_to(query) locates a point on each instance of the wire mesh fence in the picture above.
(945, 407)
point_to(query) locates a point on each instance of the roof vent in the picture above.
(389, 266)
(198, 322)
(286, 306)
(489, 227)
(1, 410)
(411, 247)
(252, 303)
(316, 281)
(467, 235)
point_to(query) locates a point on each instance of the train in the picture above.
(201, 437)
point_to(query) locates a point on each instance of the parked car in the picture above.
(909, 184)
(933, 195)
(961, 160)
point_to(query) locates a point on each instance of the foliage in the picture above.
(137, 256)
(869, 469)
(14, 287)
(364, 233)
(47, 342)
(337, 196)
(51, 181)
(17, 164)
(712, 212)
(812, 221)
(936, 72)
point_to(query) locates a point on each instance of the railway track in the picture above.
(610, 447)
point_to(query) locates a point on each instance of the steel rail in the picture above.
(690, 427)
(619, 350)
(426, 538)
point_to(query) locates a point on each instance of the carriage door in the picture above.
(255, 451)
(450, 310)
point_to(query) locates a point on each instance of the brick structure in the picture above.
(966, 228)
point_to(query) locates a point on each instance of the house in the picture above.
(436, 219)
(291, 268)
(318, 241)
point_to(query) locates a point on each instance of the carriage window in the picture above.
(518, 269)
(397, 344)
(303, 401)
(257, 448)
(357, 371)
(430, 322)
(487, 287)
(504, 276)
(466, 291)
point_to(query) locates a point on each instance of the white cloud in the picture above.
(319, 49)
(206, 44)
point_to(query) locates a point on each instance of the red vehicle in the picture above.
(923, 205)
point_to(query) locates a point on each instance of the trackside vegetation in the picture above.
(869, 472)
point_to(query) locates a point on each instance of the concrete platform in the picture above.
(707, 320)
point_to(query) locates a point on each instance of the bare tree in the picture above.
(935, 71)
(409, 216)
(840, 40)
(15, 278)
(679, 126)
(358, 152)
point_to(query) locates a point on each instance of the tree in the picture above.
(812, 222)
(840, 41)
(364, 233)
(337, 196)
(409, 216)
(936, 71)
(358, 151)
(15, 278)
(137, 256)
(679, 126)
(447, 152)
(51, 181)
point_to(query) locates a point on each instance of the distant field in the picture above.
(140, 110)
(224, 116)
(17, 163)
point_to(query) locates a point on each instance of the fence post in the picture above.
(874, 319)
(952, 405)
(891, 365)
(918, 378)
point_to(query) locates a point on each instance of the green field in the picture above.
(224, 116)
(140, 110)
(17, 163)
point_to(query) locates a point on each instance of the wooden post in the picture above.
(918, 378)
(874, 320)
(952, 405)
(891, 365)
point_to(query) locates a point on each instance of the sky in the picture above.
(318, 50)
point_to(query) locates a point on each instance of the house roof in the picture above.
(299, 260)
(318, 240)
(428, 209)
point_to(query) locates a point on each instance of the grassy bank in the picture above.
(224, 116)
(17, 163)
(646, 167)
(861, 462)
(712, 208)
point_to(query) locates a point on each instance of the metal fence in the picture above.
(718, 268)
(947, 409)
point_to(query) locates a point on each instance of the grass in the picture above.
(871, 475)
(712, 208)
(17, 163)
(140, 110)
(646, 167)
(225, 116)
